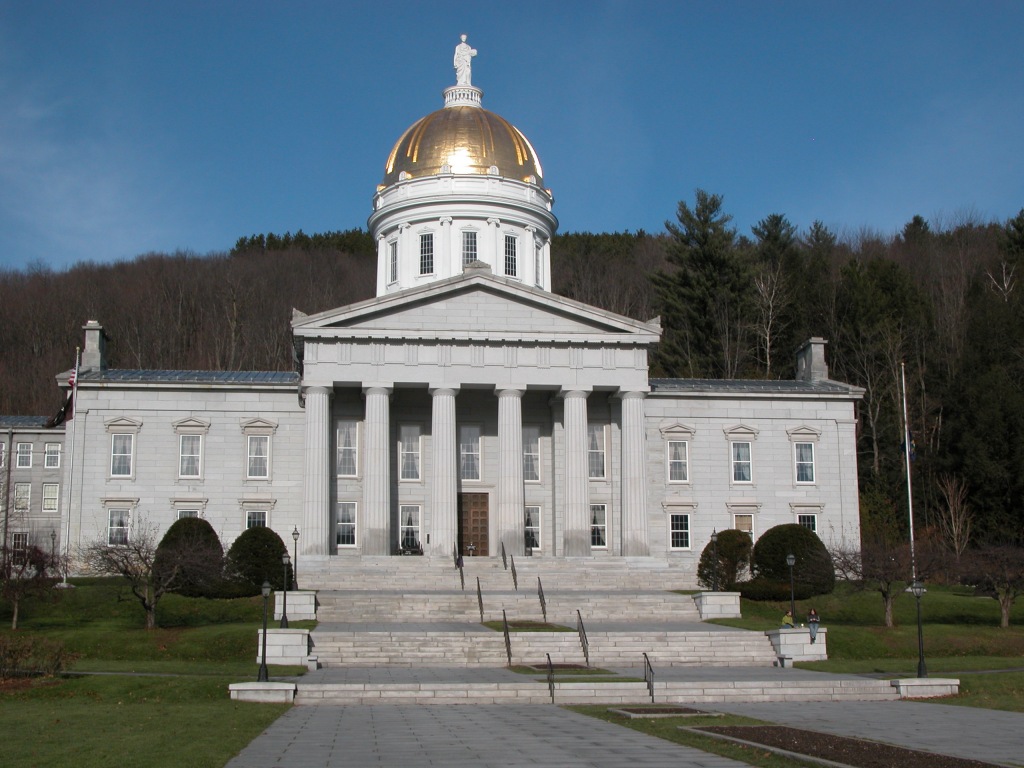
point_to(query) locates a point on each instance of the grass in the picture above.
(166, 702)
(668, 728)
(525, 625)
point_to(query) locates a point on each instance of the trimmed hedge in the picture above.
(813, 573)
(193, 547)
(253, 558)
(734, 548)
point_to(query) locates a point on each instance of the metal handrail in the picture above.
(462, 578)
(543, 602)
(508, 638)
(480, 599)
(649, 676)
(504, 557)
(455, 554)
(584, 643)
(515, 576)
(551, 679)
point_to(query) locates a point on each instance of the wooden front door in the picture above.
(473, 524)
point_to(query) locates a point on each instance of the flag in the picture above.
(67, 411)
(913, 446)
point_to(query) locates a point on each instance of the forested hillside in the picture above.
(943, 297)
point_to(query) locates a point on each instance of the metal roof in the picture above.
(23, 422)
(280, 378)
(752, 386)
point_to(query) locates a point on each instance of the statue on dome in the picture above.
(464, 62)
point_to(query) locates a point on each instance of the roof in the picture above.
(118, 375)
(23, 422)
(755, 386)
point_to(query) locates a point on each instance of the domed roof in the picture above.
(466, 139)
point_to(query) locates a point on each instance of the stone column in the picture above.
(509, 523)
(634, 476)
(375, 536)
(577, 479)
(444, 472)
(316, 492)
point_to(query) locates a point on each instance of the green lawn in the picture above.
(175, 711)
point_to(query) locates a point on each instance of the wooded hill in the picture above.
(943, 297)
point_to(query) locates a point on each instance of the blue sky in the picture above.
(131, 127)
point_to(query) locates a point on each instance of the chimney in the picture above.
(95, 353)
(810, 361)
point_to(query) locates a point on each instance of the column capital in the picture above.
(440, 390)
(510, 390)
(631, 394)
(307, 391)
(378, 388)
(445, 220)
(571, 392)
(494, 222)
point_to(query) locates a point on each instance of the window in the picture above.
(409, 528)
(22, 496)
(19, 548)
(409, 448)
(469, 452)
(599, 526)
(679, 531)
(24, 455)
(678, 467)
(741, 463)
(511, 255)
(804, 456)
(346, 524)
(255, 518)
(117, 527)
(595, 451)
(121, 453)
(183, 513)
(189, 455)
(348, 451)
(744, 522)
(810, 522)
(52, 456)
(531, 454)
(50, 493)
(531, 528)
(468, 248)
(393, 262)
(259, 458)
(426, 254)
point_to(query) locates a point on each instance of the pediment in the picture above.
(740, 432)
(678, 430)
(478, 306)
(804, 432)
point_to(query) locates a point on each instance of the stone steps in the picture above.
(532, 691)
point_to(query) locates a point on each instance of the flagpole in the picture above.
(71, 465)
(906, 458)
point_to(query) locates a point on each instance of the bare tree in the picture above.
(770, 300)
(27, 572)
(956, 517)
(999, 571)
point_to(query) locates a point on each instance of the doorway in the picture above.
(473, 524)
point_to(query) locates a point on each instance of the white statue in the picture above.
(464, 63)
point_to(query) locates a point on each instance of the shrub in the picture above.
(733, 560)
(192, 547)
(762, 589)
(27, 655)
(813, 573)
(255, 557)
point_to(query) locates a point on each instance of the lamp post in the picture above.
(262, 675)
(295, 549)
(917, 588)
(714, 558)
(286, 561)
(791, 561)
(53, 548)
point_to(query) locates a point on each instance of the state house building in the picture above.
(464, 407)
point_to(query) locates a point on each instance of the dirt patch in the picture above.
(858, 753)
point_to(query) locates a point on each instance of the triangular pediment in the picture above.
(473, 307)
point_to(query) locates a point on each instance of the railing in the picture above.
(462, 578)
(649, 676)
(515, 576)
(508, 638)
(455, 554)
(551, 679)
(584, 643)
(480, 599)
(543, 602)
(504, 557)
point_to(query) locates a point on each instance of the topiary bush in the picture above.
(813, 573)
(193, 549)
(253, 558)
(733, 549)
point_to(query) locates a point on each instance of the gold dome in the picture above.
(467, 139)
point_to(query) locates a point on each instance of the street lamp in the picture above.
(286, 561)
(714, 558)
(262, 675)
(917, 588)
(53, 548)
(791, 561)
(295, 549)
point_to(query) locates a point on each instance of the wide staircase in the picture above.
(409, 629)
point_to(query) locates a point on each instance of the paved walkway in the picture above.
(978, 734)
(486, 736)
